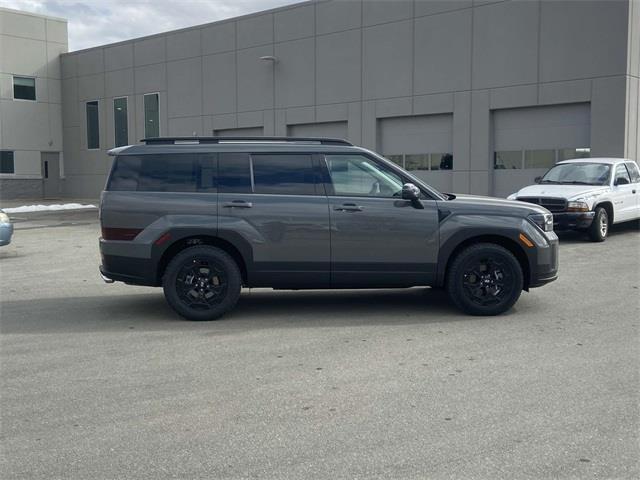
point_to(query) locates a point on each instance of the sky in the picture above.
(98, 22)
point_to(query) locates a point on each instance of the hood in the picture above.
(568, 192)
(494, 204)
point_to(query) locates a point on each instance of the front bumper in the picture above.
(544, 269)
(6, 231)
(572, 220)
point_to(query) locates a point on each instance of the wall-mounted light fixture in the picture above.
(269, 58)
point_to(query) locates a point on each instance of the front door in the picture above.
(624, 195)
(378, 239)
(276, 202)
(50, 174)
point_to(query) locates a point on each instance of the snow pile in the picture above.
(48, 208)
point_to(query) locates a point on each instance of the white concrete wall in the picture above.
(30, 46)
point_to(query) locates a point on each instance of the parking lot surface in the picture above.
(105, 381)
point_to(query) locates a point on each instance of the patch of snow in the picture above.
(48, 208)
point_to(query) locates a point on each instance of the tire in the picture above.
(484, 279)
(202, 283)
(599, 228)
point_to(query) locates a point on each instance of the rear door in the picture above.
(634, 174)
(378, 239)
(624, 198)
(276, 203)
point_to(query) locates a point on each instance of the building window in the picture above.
(570, 153)
(423, 161)
(151, 115)
(120, 120)
(93, 126)
(507, 159)
(6, 162)
(24, 88)
(539, 158)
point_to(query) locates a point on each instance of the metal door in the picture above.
(50, 174)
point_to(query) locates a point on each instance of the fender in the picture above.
(457, 229)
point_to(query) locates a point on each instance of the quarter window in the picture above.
(151, 115)
(284, 174)
(120, 120)
(93, 125)
(633, 172)
(24, 88)
(6, 162)
(356, 175)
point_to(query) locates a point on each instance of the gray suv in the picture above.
(203, 217)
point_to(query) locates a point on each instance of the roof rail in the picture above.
(204, 140)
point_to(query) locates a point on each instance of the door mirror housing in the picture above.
(537, 179)
(412, 193)
(619, 181)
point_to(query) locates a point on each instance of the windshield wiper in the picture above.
(548, 181)
(576, 182)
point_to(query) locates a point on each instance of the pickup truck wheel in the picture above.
(484, 279)
(202, 283)
(599, 228)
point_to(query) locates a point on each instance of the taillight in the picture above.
(120, 233)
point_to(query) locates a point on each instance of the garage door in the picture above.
(240, 132)
(528, 141)
(324, 129)
(421, 144)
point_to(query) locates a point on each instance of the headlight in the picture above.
(4, 218)
(544, 221)
(577, 206)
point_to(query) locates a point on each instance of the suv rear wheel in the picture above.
(484, 279)
(202, 283)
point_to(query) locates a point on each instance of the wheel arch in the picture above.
(608, 206)
(241, 258)
(456, 247)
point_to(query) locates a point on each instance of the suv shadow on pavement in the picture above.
(256, 310)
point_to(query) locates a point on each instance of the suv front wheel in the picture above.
(484, 279)
(202, 283)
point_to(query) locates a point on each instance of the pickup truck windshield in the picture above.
(578, 174)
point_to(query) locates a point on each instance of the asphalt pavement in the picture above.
(104, 381)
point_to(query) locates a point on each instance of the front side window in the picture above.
(284, 174)
(151, 115)
(357, 175)
(578, 174)
(24, 88)
(6, 162)
(621, 173)
(121, 123)
(93, 126)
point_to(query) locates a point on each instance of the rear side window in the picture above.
(185, 172)
(284, 174)
(234, 173)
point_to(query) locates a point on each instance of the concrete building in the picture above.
(475, 96)
(30, 104)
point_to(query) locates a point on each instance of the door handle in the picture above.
(633, 191)
(237, 204)
(348, 207)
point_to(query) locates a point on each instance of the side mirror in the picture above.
(537, 179)
(621, 181)
(412, 193)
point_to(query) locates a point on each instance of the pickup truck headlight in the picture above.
(577, 207)
(544, 221)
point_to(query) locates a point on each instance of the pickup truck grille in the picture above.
(551, 204)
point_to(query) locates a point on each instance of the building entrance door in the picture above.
(50, 174)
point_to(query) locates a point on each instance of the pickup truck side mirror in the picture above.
(537, 179)
(621, 181)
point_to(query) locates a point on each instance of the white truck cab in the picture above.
(587, 194)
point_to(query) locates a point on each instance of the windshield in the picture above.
(578, 174)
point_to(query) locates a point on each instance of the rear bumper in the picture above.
(572, 220)
(134, 268)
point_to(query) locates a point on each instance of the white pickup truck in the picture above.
(587, 194)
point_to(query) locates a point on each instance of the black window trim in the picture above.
(13, 89)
